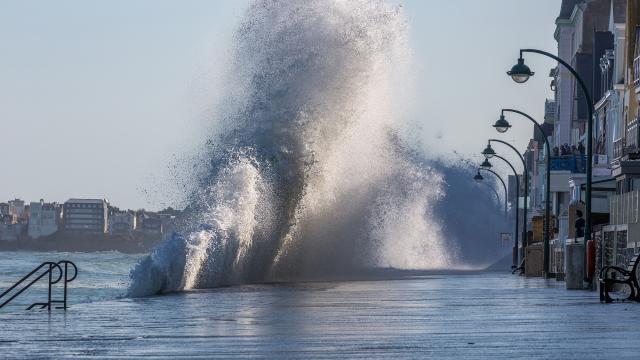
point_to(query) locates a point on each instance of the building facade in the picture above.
(122, 222)
(150, 222)
(599, 38)
(18, 210)
(4, 209)
(621, 238)
(86, 215)
(11, 232)
(44, 219)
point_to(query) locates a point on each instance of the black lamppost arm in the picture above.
(503, 185)
(567, 66)
(494, 191)
(589, 170)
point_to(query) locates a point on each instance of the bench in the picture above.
(624, 282)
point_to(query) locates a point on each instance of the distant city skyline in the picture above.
(99, 99)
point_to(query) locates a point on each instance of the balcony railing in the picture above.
(624, 208)
(577, 164)
(633, 137)
(619, 148)
(636, 71)
(629, 145)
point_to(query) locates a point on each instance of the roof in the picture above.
(85, 201)
(122, 213)
(566, 9)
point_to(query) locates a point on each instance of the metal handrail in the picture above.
(62, 274)
(66, 280)
(51, 282)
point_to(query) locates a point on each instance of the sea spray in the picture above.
(307, 174)
(470, 213)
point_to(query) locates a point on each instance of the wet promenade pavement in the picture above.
(476, 316)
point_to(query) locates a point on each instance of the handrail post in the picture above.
(50, 284)
(64, 303)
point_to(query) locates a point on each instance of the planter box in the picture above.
(533, 261)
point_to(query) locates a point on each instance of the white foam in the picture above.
(307, 173)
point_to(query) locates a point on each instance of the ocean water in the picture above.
(405, 315)
(101, 275)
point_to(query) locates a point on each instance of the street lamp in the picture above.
(478, 177)
(521, 73)
(488, 152)
(502, 123)
(515, 173)
(526, 185)
(486, 164)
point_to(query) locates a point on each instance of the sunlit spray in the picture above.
(308, 174)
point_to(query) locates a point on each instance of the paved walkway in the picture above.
(480, 316)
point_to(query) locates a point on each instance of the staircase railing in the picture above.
(63, 274)
(67, 280)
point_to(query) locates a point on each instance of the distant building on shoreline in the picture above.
(121, 222)
(87, 218)
(19, 211)
(14, 216)
(149, 222)
(87, 215)
(44, 219)
(11, 232)
(4, 209)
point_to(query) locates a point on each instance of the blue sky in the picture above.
(98, 98)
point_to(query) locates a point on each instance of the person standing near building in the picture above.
(579, 225)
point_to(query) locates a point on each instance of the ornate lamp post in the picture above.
(520, 73)
(488, 152)
(516, 232)
(502, 125)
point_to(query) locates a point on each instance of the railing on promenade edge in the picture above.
(624, 208)
(35, 275)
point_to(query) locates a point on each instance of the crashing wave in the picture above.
(308, 173)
